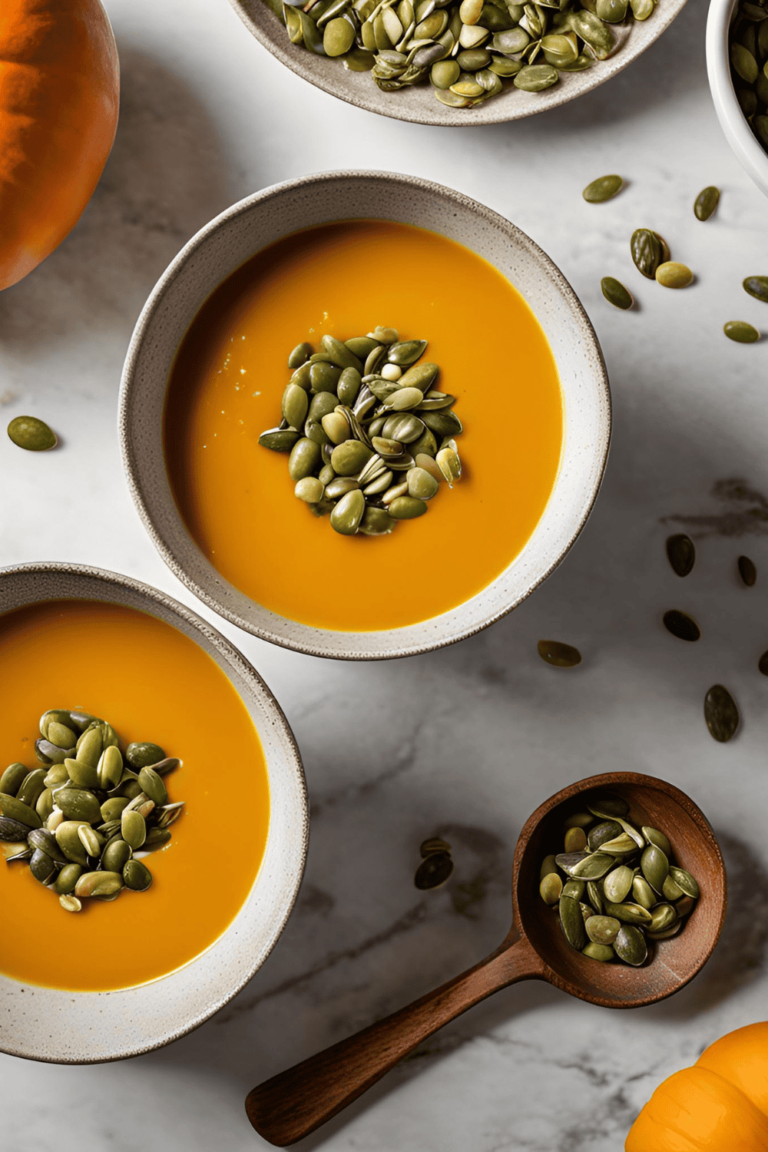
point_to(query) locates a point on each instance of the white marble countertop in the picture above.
(469, 740)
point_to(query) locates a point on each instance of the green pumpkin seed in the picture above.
(757, 286)
(579, 820)
(622, 845)
(681, 554)
(685, 881)
(70, 843)
(671, 274)
(82, 775)
(662, 918)
(13, 831)
(602, 189)
(300, 355)
(338, 37)
(116, 855)
(348, 513)
(558, 654)
(309, 489)
(721, 713)
(44, 806)
(592, 867)
(90, 840)
(60, 735)
(536, 77)
(548, 867)
(55, 715)
(628, 913)
(156, 838)
(324, 377)
(609, 807)
(642, 892)
(144, 755)
(12, 778)
(744, 63)
(572, 923)
(741, 332)
(595, 896)
(574, 889)
(617, 884)
(421, 484)
(110, 768)
(15, 809)
(602, 929)
(152, 784)
(630, 946)
(279, 439)
(133, 828)
(67, 878)
(653, 836)
(611, 11)
(747, 571)
(98, 884)
(42, 866)
(448, 462)
(601, 833)
(433, 871)
(78, 804)
(551, 888)
(615, 293)
(31, 434)
(706, 202)
(407, 508)
(40, 839)
(444, 73)
(32, 787)
(575, 840)
(349, 386)
(137, 876)
(304, 459)
(602, 952)
(684, 906)
(647, 252)
(682, 625)
(671, 890)
(295, 405)
(655, 867)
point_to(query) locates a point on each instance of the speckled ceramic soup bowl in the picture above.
(66, 1026)
(245, 229)
(417, 102)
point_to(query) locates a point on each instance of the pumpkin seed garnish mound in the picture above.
(615, 887)
(748, 35)
(80, 820)
(370, 437)
(468, 50)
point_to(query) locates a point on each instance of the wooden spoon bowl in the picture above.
(296, 1102)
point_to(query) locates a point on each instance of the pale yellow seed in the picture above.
(70, 903)
(470, 11)
(56, 817)
(391, 372)
(674, 275)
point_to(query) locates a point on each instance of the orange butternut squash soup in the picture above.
(344, 280)
(153, 684)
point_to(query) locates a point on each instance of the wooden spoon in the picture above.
(296, 1102)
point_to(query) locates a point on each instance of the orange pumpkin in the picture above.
(59, 98)
(718, 1105)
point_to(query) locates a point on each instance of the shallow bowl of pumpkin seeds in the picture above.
(457, 61)
(737, 56)
(597, 889)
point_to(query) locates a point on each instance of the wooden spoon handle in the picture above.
(296, 1102)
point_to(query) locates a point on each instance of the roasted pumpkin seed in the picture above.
(721, 713)
(706, 202)
(558, 654)
(682, 625)
(747, 570)
(741, 332)
(672, 274)
(615, 293)
(757, 286)
(602, 189)
(681, 554)
(433, 871)
(31, 434)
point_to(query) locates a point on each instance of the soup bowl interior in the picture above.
(245, 229)
(66, 1027)
(651, 802)
(417, 103)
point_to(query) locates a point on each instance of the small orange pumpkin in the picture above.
(718, 1105)
(59, 99)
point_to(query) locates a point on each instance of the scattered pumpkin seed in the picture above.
(616, 294)
(602, 952)
(602, 189)
(32, 434)
(706, 202)
(747, 570)
(757, 286)
(647, 251)
(433, 871)
(741, 332)
(671, 274)
(721, 713)
(558, 654)
(70, 903)
(681, 554)
(682, 625)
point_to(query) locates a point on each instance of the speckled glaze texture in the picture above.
(750, 152)
(88, 1027)
(418, 103)
(257, 221)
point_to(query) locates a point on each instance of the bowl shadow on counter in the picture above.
(167, 175)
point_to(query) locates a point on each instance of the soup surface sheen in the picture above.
(152, 683)
(237, 498)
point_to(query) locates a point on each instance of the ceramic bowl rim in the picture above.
(743, 142)
(231, 654)
(555, 97)
(166, 283)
